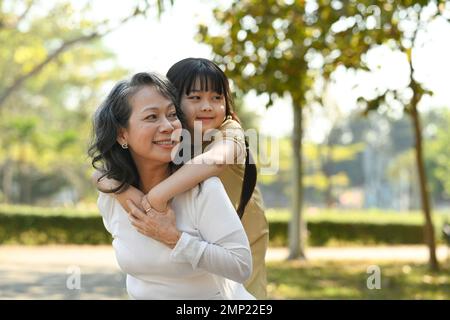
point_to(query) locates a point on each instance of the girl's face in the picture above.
(205, 108)
(153, 120)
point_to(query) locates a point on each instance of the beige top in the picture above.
(254, 221)
(232, 178)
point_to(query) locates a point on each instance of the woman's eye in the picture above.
(193, 97)
(150, 117)
(173, 115)
(218, 97)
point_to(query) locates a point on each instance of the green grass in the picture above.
(348, 280)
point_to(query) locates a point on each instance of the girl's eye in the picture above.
(193, 97)
(218, 97)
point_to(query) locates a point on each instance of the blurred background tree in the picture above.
(437, 153)
(401, 26)
(53, 65)
(301, 42)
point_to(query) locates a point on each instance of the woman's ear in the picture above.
(122, 136)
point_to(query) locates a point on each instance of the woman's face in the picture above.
(153, 120)
(205, 108)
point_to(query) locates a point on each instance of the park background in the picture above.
(354, 94)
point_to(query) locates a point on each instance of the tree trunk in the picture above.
(26, 187)
(297, 226)
(327, 170)
(424, 195)
(8, 171)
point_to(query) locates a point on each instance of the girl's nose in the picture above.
(206, 107)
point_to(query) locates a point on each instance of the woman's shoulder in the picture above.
(107, 207)
(208, 188)
(212, 183)
(194, 201)
(104, 202)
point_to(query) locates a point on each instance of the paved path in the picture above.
(51, 272)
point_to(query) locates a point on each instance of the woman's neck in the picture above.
(151, 174)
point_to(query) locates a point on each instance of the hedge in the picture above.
(323, 233)
(36, 230)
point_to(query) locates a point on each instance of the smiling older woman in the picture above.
(199, 249)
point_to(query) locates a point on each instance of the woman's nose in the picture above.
(166, 126)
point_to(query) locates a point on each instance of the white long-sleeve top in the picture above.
(210, 261)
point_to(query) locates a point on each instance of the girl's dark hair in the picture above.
(183, 76)
(112, 115)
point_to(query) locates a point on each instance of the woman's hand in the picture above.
(160, 226)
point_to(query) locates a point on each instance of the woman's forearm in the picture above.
(230, 257)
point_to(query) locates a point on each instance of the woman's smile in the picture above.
(165, 144)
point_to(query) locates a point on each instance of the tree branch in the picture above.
(21, 17)
(24, 13)
(22, 78)
(18, 82)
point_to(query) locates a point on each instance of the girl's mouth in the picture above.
(204, 119)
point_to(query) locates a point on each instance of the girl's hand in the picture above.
(132, 194)
(103, 184)
(160, 226)
(151, 201)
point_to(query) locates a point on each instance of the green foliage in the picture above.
(319, 156)
(267, 42)
(438, 156)
(314, 157)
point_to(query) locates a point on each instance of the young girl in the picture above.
(205, 97)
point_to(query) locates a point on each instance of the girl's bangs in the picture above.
(205, 80)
